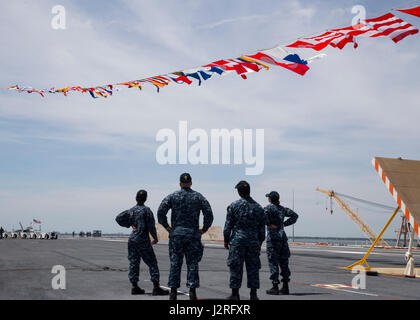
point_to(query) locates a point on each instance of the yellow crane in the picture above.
(369, 233)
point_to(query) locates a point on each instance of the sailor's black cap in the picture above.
(243, 186)
(141, 195)
(185, 178)
(273, 195)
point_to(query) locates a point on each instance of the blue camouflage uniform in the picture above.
(245, 232)
(278, 252)
(139, 244)
(185, 236)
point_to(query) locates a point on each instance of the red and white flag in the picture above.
(337, 38)
(413, 11)
(389, 25)
(37, 221)
(386, 25)
(317, 43)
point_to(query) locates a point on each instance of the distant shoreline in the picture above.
(289, 236)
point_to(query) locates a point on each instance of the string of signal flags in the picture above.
(387, 25)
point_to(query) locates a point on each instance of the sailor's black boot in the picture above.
(235, 295)
(253, 295)
(174, 294)
(285, 289)
(158, 291)
(193, 294)
(136, 290)
(274, 291)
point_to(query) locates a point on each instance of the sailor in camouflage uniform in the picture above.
(278, 252)
(244, 234)
(185, 233)
(141, 219)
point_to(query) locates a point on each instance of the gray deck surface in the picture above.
(97, 269)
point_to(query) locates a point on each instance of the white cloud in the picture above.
(234, 20)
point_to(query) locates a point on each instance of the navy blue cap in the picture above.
(243, 186)
(185, 178)
(141, 196)
(273, 195)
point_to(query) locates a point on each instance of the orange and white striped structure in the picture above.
(402, 179)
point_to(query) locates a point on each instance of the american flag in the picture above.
(37, 221)
(387, 25)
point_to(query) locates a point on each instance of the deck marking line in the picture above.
(340, 287)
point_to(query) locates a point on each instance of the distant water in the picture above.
(338, 241)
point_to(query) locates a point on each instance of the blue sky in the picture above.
(75, 163)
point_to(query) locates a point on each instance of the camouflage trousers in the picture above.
(191, 247)
(250, 255)
(278, 254)
(136, 253)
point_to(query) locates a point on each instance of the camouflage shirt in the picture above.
(275, 215)
(141, 217)
(245, 223)
(186, 205)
